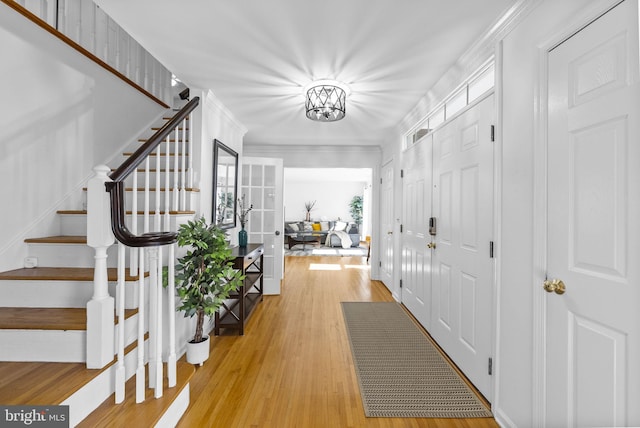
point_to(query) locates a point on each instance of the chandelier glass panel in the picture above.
(325, 101)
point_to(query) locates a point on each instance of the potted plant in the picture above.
(204, 279)
(355, 208)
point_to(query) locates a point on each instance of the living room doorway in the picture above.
(333, 196)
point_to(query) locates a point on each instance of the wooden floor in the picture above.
(293, 367)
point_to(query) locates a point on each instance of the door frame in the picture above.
(540, 220)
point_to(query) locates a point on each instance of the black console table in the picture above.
(236, 310)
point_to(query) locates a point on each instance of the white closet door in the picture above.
(593, 328)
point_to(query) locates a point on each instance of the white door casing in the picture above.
(592, 331)
(262, 184)
(386, 226)
(415, 238)
(463, 270)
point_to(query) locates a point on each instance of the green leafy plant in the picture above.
(355, 208)
(204, 276)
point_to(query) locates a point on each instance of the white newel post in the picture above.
(100, 309)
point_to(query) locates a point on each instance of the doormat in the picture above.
(401, 373)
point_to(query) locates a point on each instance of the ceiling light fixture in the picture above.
(325, 100)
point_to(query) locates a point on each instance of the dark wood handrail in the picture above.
(116, 186)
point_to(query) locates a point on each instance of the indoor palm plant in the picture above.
(204, 279)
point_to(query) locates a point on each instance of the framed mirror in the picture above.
(225, 185)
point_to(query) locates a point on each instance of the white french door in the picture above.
(593, 216)
(386, 226)
(463, 270)
(416, 209)
(262, 184)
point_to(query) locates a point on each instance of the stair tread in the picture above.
(57, 240)
(45, 383)
(60, 274)
(147, 413)
(47, 318)
(153, 189)
(84, 212)
(154, 154)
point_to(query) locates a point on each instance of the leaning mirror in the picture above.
(225, 185)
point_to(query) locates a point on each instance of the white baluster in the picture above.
(120, 293)
(190, 151)
(183, 180)
(171, 306)
(176, 172)
(157, 217)
(158, 320)
(153, 309)
(147, 186)
(133, 252)
(100, 309)
(140, 372)
(167, 184)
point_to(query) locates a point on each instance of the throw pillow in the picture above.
(324, 225)
(294, 226)
(308, 226)
(316, 226)
(340, 225)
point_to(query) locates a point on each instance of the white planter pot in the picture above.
(198, 353)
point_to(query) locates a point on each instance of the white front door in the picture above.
(416, 208)
(463, 277)
(386, 226)
(593, 214)
(262, 184)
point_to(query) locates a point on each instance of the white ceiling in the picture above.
(328, 174)
(257, 55)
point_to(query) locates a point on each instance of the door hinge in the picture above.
(380, 263)
(493, 133)
(402, 173)
(490, 366)
(400, 283)
(400, 228)
(380, 180)
(490, 249)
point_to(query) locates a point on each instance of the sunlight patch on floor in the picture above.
(324, 266)
(361, 267)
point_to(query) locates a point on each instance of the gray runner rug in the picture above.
(401, 373)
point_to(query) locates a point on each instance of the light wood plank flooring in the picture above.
(293, 367)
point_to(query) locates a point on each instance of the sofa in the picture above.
(320, 229)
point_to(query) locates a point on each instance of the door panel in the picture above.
(262, 184)
(416, 206)
(593, 329)
(462, 268)
(386, 226)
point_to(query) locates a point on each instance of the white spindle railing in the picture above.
(150, 306)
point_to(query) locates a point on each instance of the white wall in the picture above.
(332, 196)
(61, 114)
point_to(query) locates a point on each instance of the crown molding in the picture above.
(213, 102)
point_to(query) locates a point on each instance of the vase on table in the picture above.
(242, 237)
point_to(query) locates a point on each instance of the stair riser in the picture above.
(76, 224)
(60, 294)
(53, 345)
(43, 345)
(69, 255)
(92, 394)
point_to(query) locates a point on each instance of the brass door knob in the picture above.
(554, 286)
(431, 245)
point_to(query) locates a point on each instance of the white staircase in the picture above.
(43, 312)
